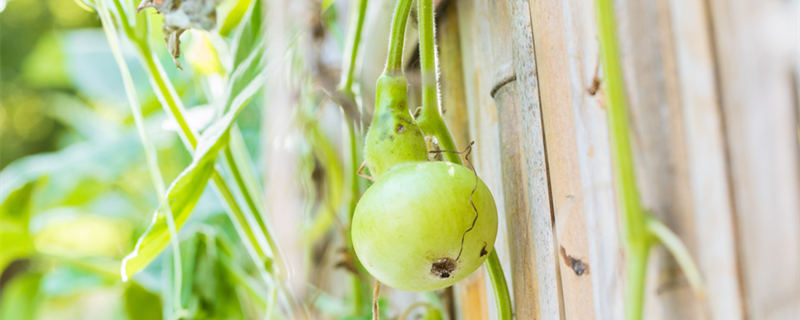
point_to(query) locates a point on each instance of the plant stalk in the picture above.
(394, 60)
(346, 87)
(639, 229)
(636, 241)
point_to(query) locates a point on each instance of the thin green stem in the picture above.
(635, 237)
(502, 297)
(432, 123)
(346, 88)
(636, 270)
(430, 120)
(628, 195)
(150, 152)
(639, 229)
(394, 60)
(354, 37)
(670, 240)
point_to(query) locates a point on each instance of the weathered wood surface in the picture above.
(532, 143)
(562, 88)
(689, 71)
(756, 51)
(658, 140)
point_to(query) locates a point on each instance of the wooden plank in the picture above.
(696, 97)
(756, 48)
(531, 142)
(557, 93)
(591, 142)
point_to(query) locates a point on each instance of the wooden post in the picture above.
(756, 52)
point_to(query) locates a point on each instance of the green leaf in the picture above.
(250, 37)
(14, 219)
(432, 314)
(182, 196)
(236, 9)
(140, 303)
(185, 191)
(21, 298)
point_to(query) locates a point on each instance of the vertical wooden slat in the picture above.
(660, 149)
(560, 91)
(593, 154)
(696, 96)
(525, 283)
(756, 47)
(537, 179)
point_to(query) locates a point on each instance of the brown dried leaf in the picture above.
(180, 15)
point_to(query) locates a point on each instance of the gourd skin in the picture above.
(414, 216)
(393, 137)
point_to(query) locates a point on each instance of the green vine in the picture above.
(639, 229)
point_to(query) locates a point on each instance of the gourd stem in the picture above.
(502, 298)
(394, 60)
(430, 120)
(431, 123)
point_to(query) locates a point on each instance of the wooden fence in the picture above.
(713, 91)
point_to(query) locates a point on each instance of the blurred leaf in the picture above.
(69, 232)
(74, 113)
(249, 40)
(202, 55)
(185, 191)
(433, 314)
(14, 219)
(88, 60)
(44, 66)
(101, 160)
(233, 11)
(20, 297)
(209, 286)
(140, 303)
(64, 281)
(182, 196)
(325, 5)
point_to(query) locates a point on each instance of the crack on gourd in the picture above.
(443, 268)
(466, 153)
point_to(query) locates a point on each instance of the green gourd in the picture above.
(423, 225)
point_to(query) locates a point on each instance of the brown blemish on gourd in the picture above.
(400, 128)
(483, 251)
(443, 268)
